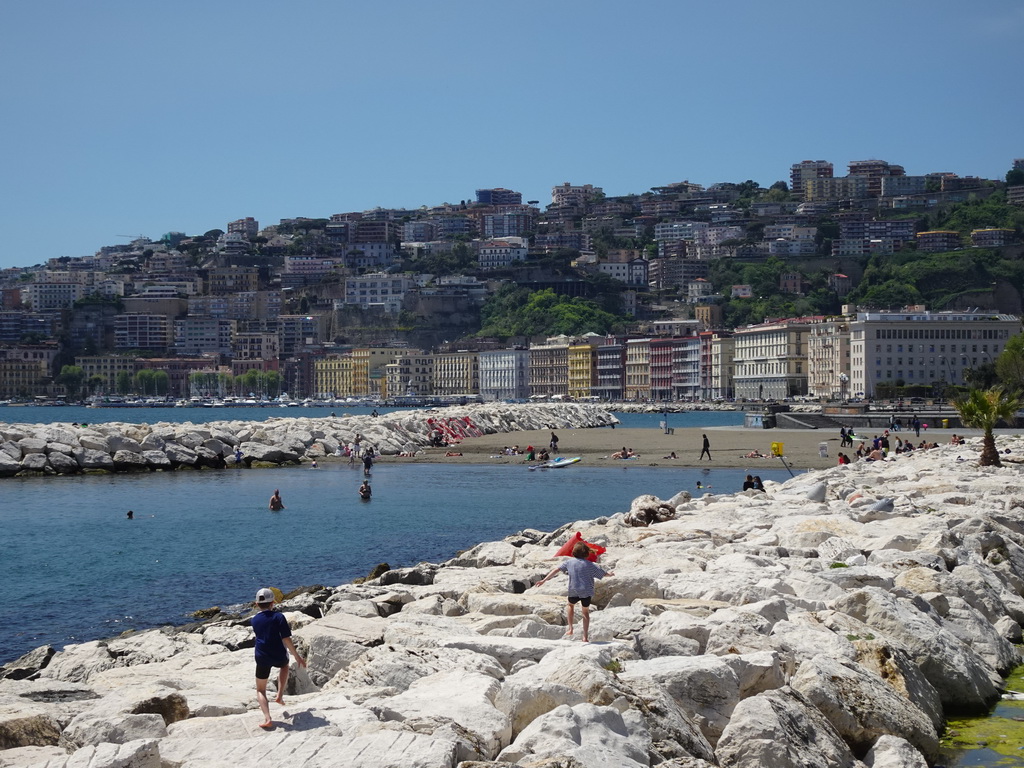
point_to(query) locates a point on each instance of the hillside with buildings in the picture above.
(869, 284)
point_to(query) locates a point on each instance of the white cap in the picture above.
(264, 596)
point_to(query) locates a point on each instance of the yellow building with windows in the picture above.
(332, 376)
(582, 365)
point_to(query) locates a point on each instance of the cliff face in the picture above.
(835, 618)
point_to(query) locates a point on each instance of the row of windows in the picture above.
(941, 333)
(942, 348)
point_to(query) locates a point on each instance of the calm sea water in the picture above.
(74, 568)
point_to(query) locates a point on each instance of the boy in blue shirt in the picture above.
(582, 573)
(273, 642)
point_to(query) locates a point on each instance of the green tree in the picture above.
(1015, 177)
(144, 381)
(1010, 364)
(95, 383)
(984, 409)
(71, 377)
(161, 382)
(123, 382)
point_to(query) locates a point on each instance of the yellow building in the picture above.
(582, 365)
(23, 378)
(332, 376)
(368, 364)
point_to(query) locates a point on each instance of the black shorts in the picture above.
(263, 670)
(584, 601)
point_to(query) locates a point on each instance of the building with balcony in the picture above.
(49, 297)
(210, 336)
(296, 332)
(841, 188)
(939, 240)
(873, 171)
(140, 331)
(377, 289)
(992, 237)
(582, 365)
(505, 374)
(771, 359)
(410, 374)
(637, 384)
(247, 227)
(457, 373)
(107, 367)
(920, 347)
(577, 196)
(499, 254)
(332, 376)
(828, 359)
(804, 171)
(226, 280)
(549, 367)
(611, 369)
(498, 196)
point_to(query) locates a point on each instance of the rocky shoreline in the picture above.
(59, 449)
(835, 620)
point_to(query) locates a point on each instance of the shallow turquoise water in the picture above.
(74, 568)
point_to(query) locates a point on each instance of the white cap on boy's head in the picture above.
(264, 596)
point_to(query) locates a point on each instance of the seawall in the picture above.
(57, 449)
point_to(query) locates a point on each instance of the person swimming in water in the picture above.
(276, 504)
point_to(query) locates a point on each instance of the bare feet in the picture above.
(568, 636)
(267, 725)
(280, 698)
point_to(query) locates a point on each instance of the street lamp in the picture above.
(843, 381)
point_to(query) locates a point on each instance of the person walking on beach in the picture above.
(273, 643)
(554, 443)
(276, 504)
(706, 449)
(581, 573)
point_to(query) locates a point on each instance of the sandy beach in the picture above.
(729, 447)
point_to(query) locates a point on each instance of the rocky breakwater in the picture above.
(835, 620)
(57, 449)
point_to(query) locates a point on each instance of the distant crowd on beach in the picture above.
(888, 445)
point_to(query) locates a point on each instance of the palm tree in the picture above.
(983, 409)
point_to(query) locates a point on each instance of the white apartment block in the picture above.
(196, 336)
(505, 374)
(920, 347)
(378, 289)
(631, 272)
(771, 359)
(46, 297)
(314, 266)
(678, 230)
(722, 370)
(496, 254)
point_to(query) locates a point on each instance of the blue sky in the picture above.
(123, 118)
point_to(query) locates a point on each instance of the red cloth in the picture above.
(596, 550)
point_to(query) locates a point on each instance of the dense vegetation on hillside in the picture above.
(515, 311)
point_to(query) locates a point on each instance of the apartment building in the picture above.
(378, 289)
(48, 297)
(499, 254)
(549, 367)
(920, 347)
(505, 374)
(142, 331)
(295, 332)
(992, 237)
(828, 359)
(637, 381)
(457, 373)
(575, 195)
(498, 196)
(771, 359)
(195, 335)
(721, 369)
(873, 171)
(26, 369)
(332, 376)
(840, 188)
(255, 350)
(611, 369)
(582, 365)
(226, 280)
(247, 227)
(804, 171)
(411, 373)
(107, 367)
(939, 240)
